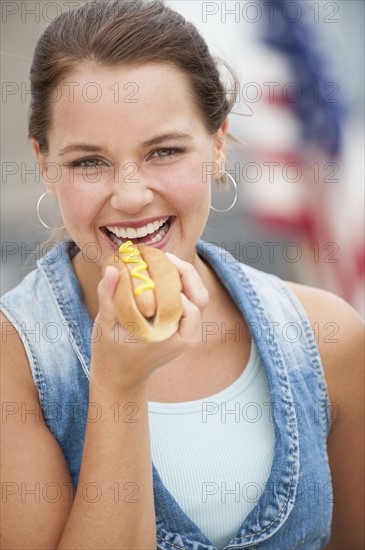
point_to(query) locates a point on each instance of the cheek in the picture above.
(78, 203)
(187, 186)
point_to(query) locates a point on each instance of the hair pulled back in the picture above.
(111, 33)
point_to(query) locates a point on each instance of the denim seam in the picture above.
(284, 381)
(313, 353)
(37, 373)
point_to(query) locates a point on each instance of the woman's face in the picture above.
(130, 158)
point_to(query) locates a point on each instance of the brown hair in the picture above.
(111, 33)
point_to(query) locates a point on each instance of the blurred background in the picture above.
(299, 122)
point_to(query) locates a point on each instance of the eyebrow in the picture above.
(167, 137)
(98, 149)
(80, 147)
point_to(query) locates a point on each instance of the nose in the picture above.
(131, 190)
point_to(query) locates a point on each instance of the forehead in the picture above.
(132, 98)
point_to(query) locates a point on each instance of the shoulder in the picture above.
(311, 297)
(338, 329)
(322, 305)
(339, 333)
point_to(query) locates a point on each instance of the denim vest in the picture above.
(295, 508)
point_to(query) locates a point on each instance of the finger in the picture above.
(106, 290)
(190, 322)
(110, 279)
(192, 284)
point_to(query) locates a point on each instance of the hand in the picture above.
(119, 359)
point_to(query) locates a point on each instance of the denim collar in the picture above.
(175, 530)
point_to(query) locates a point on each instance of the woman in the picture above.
(129, 124)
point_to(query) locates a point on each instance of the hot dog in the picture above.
(147, 298)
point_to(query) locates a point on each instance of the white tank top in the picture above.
(214, 455)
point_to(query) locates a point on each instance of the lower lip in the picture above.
(159, 244)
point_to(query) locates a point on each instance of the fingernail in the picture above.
(170, 255)
(108, 270)
(184, 298)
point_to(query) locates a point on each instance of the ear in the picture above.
(41, 159)
(220, 147)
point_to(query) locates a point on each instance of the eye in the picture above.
(88, 162)
(163, 152)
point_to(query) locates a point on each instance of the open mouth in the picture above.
(149, 234)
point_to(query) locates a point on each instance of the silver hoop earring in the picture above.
(234, 198)
(39, 216)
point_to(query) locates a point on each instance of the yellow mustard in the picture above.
(134, 256)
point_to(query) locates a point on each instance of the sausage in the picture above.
(142, 283)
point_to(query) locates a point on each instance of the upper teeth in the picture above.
(137, 232)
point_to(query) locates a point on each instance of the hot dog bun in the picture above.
(162, 300)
